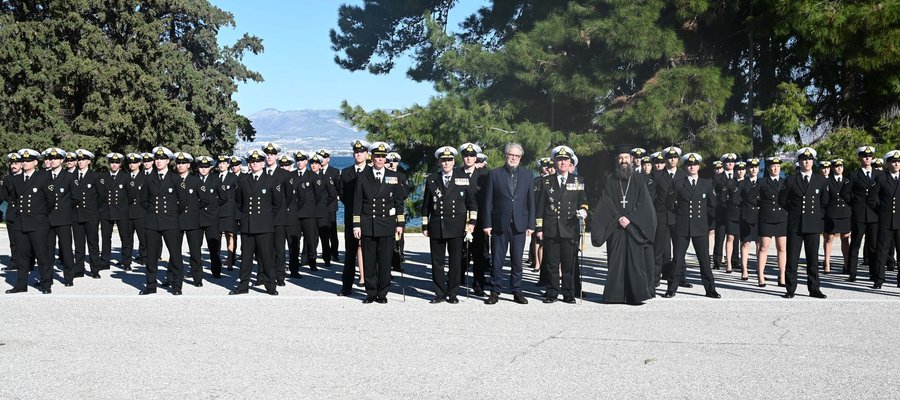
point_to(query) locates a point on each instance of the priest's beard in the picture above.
(623, 172)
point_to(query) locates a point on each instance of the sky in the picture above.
(298, 63)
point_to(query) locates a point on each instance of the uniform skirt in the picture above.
(840, 225)
(749, 232)
(227, 224)
(768, 229)
(733, 227)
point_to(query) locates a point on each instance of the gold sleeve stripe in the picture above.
(539, 222)
(424, 220)
(585, 207)
(473, 214)
(401, 218)
(356, 219)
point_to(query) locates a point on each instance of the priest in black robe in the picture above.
(626, 221)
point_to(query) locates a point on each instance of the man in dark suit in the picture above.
(693, 201)
(478, 252)
(560, 202)
(87, 215)
(258, 204)
(136, 213)
(212, 196)
(161, 198)
(805, 196)
(863, 216)
(449, 211)
(113, 208)
(282, 187)
(189, 220)
(320, 193)
(32, 194)
(61, 212)
(509, 213)
(333, 175)
(346, 190)
(378, 219)
(665, 226)
(886, 196)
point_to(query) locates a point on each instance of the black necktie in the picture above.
(255, 178)
(26, 178)
(806, 179)
(80, 176)
(161, 176)
(378, 177)
(562, 181)
(693, 183)
(204, 178)
(54, 176)
(446, 181)
(672, 175)
(869, 175)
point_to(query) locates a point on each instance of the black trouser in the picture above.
(560, 252)
(701, 249)
(857, 229)
(258, 246)
(662, 249)
(445, 285)
(214, 245)
(324, 231)
(175, 268)
(397, 257)
(810, 242)
(63, 236)
(310, 233)
(195, 253)
(718, 239)
(280, 245)
(135, 225)
(294, 237)
(377, 264)
(479, 257)
(86, 232)
(106, 227)
(333, 243)
(33, 246)
(351, 244)
(888, 241)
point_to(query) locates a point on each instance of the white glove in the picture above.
(468, 237)
(581, 213)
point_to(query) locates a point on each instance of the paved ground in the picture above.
(99, 339)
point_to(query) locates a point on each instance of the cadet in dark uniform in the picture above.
(693, 201)
(212, 196)
(663, 241)
(323, 193)
(393, 164)
(228, 183)
(136, 213)
(449, 212)
(114, 209)
(377, 220)
(6, 193)
(748, 201)
(62, 184)
(302, 207)
(536, 249)
(189, 217)
(887, 192)
(478, 252)
(346, 189)
(805, 196)
(71, 162)
(235, 165)
(33, 197)
(725, 185)
(647, 170)
(161, 198)
(282, 187)
(87, 198)
(258, 204)
(863, 217)
(333, 175)
(560, 203)
(637, 155)
(772, 221)
(837, 215)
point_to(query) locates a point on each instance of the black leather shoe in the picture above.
(176, 292)
(713, 295)
(668, 294)
(851, 278)
(876, 286)
(236, 292)
(788, 295)
(279, 282)
(518, 298)
(147, 291)
(818, 295)
(313, 268)
(346, 292)
(452, 300)
(79, 275)
(257, 283)
(68, 284)
(369, 300)
(686, 285)
(549, 300)
(296, 275)
(436, 300)
(164, 284)
(17, 290)
(381, 300)
(217, 276)
(46, 291)
(198, 284)
(568, 300)
(478, 292)
(272, 292)
(126, 268)
(95, 275)
(493, 298)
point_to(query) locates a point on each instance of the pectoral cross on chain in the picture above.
(623, 202)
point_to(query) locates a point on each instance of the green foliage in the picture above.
(121, 75)
(788, 114)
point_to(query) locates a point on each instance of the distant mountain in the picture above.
(302, 130)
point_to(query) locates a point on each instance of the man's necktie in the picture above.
(446, 181)
(806, 179)
(378, 177)
(693, 183)
(562, 181)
